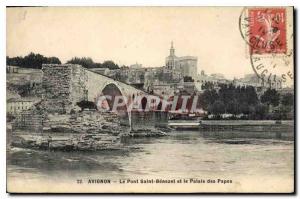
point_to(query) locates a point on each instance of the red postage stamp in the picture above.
(267, 30)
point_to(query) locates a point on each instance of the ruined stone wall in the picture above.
(63, 86)
(78, 89)
(56, 87)
(31, 119)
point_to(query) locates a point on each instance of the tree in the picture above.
(207, 98)
(188, 79)
(14, 61)
(245, 108)
(227, 93)
(250, 95)
(270, 97)
(98, 65)
(232, 107)
(287, 99)
(53, 60)
(110, 64)
(32, 60)
(217, 107)
(86, 62)
(260, 111)
(207, 86)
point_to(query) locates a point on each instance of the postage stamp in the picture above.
(268, 36)
(267, 29)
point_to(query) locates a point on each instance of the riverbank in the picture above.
(90, 133)
(241, 125)
(58, 141)
(65, 141)
(230, 129)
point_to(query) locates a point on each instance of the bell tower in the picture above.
(170, 60)
(172, 50)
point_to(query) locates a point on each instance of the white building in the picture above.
(17, 105)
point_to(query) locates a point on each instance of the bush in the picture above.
(87, 105)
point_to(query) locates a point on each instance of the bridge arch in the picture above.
(112, 90)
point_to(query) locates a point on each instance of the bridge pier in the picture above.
(63, 86)
(148, 119)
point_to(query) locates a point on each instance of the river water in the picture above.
(184, 154)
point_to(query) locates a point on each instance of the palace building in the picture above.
(186, 65)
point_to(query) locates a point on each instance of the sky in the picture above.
(128, 35)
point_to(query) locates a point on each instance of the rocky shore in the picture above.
(81, 131)
(77, 142)
(84, 142)
(85, 122)
(146, 133)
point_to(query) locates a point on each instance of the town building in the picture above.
(286, 90)
(259, 84)
(160, 80)
(213, 80)
(12, 69)
(135, 66)
(186, 87)
(15, 106)
(186, 65)
(164, 89)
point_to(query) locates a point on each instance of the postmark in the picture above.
(273, 71)
(268, 35)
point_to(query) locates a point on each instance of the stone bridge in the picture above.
(67, 84)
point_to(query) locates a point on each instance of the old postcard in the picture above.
(150, 100)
